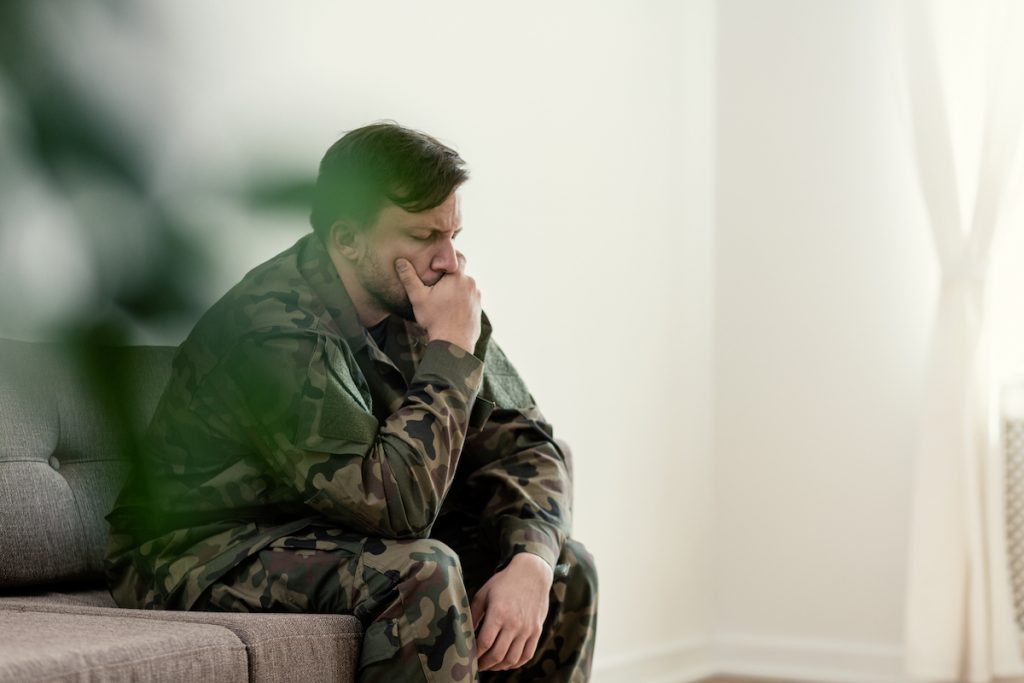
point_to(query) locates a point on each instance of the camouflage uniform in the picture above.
(292, 465)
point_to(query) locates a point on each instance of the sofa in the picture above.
(62, 463)
(66, 420)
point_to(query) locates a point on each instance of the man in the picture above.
(341, 434)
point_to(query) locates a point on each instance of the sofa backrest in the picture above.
(63, 456)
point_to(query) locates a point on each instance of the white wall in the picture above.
(825, 287)
(588, 225)
(754, 519)
(589, 132)
(698, 232)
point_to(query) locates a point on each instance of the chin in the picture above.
(401, 307)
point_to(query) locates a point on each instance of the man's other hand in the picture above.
(449, 309)
(510, 610)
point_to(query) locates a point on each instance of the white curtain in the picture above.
(960, 624)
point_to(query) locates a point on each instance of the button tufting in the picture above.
(54, 462)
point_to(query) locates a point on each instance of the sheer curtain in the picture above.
(965, 87)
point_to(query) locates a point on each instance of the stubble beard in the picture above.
(383, 285)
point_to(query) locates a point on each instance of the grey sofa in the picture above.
(61, 466)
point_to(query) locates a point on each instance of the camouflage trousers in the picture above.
(413, 598)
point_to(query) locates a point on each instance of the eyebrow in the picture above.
(429, 229)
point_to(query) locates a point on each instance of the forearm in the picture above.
(323, 442)
(527, 485)
(405, 473)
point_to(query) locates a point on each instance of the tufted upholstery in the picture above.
(66, 435)
(63, 456)
(67, 428)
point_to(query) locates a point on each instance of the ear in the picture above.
(347, 239)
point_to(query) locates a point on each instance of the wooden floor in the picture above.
(744, 679)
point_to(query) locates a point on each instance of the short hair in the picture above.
(379, 163)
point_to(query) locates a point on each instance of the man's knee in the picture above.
(411, 556)
(418, 626)
(433, 550)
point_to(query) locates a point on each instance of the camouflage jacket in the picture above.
(282, 412)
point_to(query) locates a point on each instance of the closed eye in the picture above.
(426, 237)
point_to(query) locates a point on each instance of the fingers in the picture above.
(477, 609)
(501, 644)
(408, 276)
(495, 655)
(486, 640)
(514, 654)
(462, 261)
(529, 649)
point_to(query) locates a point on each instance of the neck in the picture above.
(368, 310)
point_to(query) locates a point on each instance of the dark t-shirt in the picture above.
(379, 332)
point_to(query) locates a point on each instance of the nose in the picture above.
(445, 260)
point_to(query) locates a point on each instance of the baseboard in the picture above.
(807, 659)
(682, 661)
(791, 659)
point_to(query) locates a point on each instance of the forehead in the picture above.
(446, 216)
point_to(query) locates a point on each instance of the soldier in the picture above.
(341, 434)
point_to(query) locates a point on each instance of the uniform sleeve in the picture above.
(519, 471)
(303, 411)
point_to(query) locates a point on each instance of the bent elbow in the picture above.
(416, 517)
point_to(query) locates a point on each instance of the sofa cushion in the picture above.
(280, 647)
(51, 646)
(64, 452)
(96, 597)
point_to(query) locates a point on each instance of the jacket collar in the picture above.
(316, 267)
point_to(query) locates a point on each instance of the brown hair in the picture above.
(379, 163)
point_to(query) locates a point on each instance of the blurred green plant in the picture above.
(59, 131)
(65, 140)
(66, 137)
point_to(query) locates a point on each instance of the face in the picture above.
(425, 239)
